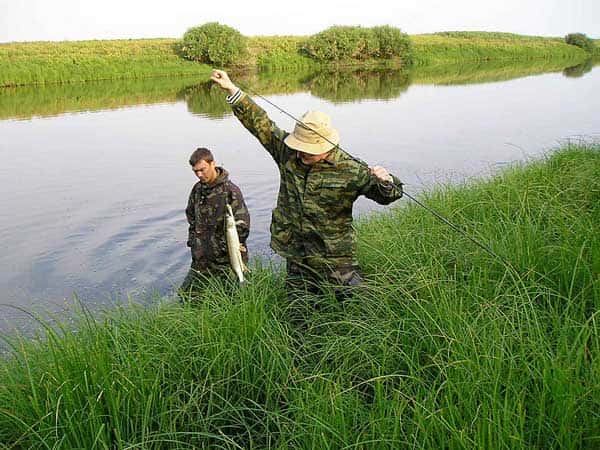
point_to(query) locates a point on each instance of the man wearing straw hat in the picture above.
(311, 226)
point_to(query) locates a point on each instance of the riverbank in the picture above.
(62, 62)
(446, 348)
(76, 61)
(443, 48)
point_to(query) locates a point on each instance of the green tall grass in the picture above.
(447, 47)
(278, 53)
(59, 62)
(445, 348)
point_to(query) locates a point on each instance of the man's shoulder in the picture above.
(232, 187)
(197, 185)
(347, 164)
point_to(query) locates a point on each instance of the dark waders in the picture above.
(198, 280)
(302, 278)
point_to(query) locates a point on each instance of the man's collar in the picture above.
(332, 157)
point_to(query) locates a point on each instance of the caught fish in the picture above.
(233, 245)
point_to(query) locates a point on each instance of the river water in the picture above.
(95, 179)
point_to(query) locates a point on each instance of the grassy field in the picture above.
(59, 62)
(445, 348)
(278, 53)
(443, 48)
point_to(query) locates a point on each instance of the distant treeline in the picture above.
(218, 45)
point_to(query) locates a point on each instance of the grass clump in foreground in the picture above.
(446, 348)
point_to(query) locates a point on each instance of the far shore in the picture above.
(34, 63)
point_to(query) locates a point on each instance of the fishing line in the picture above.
(427, 208)
(457, 229)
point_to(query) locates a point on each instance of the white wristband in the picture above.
(232, 99)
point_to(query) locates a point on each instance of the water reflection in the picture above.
(579, 70)
(346, 86)
(487, 72)
(203, 98)
(26, 102)
(207, 99)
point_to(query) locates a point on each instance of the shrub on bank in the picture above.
(341, 42)
(346, 42)
(393, 42)
(213, 43)
(580, 40)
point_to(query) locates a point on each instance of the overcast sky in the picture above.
(31, 20)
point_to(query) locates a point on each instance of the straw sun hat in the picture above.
(314, 134)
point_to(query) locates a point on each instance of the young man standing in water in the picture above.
(311, 225)
(206, 216)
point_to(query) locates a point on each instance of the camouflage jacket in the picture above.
(206, 215)
(312, 222)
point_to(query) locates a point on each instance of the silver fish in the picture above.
(233, 245)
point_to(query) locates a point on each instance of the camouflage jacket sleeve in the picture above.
(189, 213)
(240, 213)
(383, 192)
(256, 120)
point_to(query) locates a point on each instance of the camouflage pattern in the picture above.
(206, 216)
(311, 226)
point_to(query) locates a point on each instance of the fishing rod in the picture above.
(427, 208)
(457, 229)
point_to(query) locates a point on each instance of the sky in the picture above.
(57, 20)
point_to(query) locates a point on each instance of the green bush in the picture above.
(341, 42)
(580, 40)
(345, 42)
(393, 43)
(213, 43)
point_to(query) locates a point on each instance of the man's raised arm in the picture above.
(253, 117)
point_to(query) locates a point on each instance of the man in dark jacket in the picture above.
(206, 216)
(311, 226)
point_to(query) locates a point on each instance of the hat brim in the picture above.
(333, 139)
